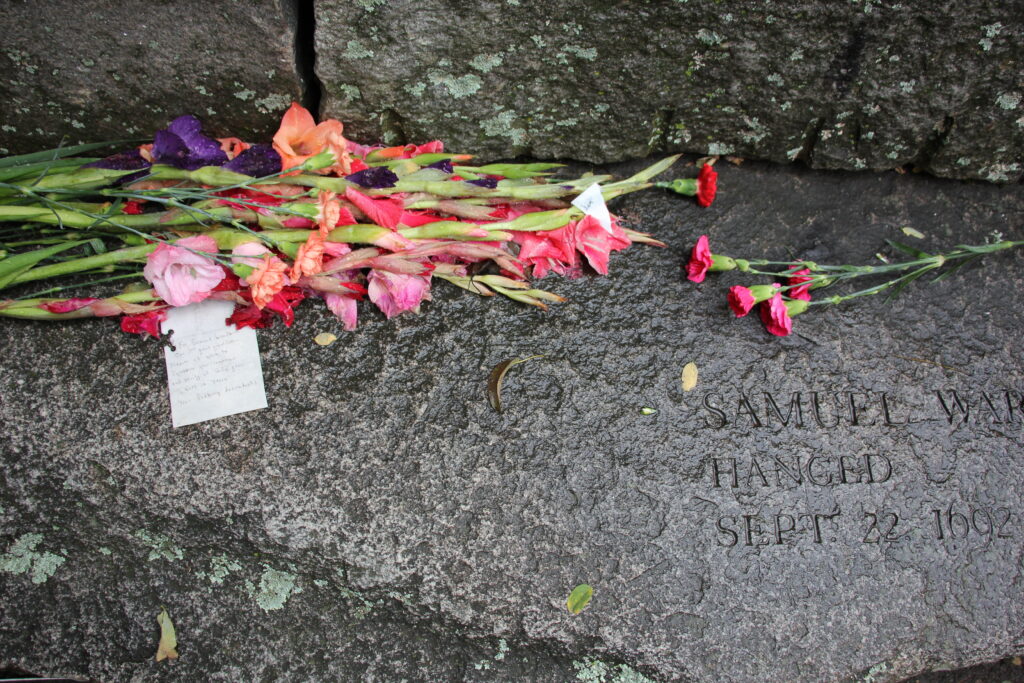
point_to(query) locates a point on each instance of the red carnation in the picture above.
(800, 289)
(700, 260)
(707, 185)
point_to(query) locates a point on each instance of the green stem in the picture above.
(54, 290)
(85, 263)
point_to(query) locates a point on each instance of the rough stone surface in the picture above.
(93, 70)
(380, 521)
(856, 84)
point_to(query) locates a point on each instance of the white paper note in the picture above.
(591, 202)
(214, 369)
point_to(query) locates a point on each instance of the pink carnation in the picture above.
(180, 276)
(775, 317)
(700, 260)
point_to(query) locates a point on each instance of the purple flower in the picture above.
(489, 183)
(257, 161)
(443, 165)
(184, 146)
(375, 177)
(128, 160)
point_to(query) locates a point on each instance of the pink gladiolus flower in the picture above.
(802, 290)
(385, 212)
(549, 250)
(249, 254)
(181, 277)
(596, 243)
(700, 260)
(775, 317)
(394, 293)
(344, 307)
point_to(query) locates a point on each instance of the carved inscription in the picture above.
(838, 409)
(955, 524)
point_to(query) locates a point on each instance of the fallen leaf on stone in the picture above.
(689, 376)
(579, 598)
(168, 641)
(910, 232)
(648, 411)
(325, 339)
(735, 161)
(498, 376)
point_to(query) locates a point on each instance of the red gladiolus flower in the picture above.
(700, 260)
(707, 185)
(802, 291)
(67, 305)
(144, 323)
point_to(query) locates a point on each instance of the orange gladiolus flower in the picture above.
(267, 280)
(300, 138)
(310, 259)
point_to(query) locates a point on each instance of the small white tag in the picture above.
(591, 202)
(214, 369)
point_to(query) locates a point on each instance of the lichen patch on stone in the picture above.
(274, 589)
(23, 558)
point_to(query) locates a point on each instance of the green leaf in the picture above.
(958, 266)
(167, 649)
(907, 249)
(498, 376)
(15, 172)
(58, 153)
(579, 598)
(13, 266)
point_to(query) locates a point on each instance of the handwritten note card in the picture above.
(214, 369)
(591, 202)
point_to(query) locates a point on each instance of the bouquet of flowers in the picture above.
(187, 218)
(787, 291)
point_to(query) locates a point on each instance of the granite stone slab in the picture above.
(842, 504)
(94, 70)
(844, 85)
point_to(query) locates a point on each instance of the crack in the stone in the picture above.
(305, 54)
(936, 140)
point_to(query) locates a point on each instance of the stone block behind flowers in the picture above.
(840, 85)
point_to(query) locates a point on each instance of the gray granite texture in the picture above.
(856, 84)
(381, 522)
(93, 70)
